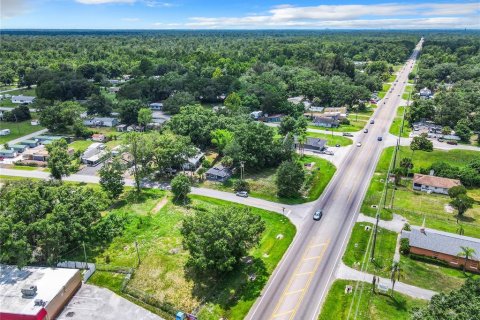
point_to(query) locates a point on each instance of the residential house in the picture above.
(42, 139)
(30, 143)
(326, 122)
(122, 128)
(19, 147)
(101, 122)
(98, 137)
(8, 153)
(218, 173)
(95, 154)
(431, 183)
(450, 137)
(274, 118)
(316, 144)
(425, 93)
(443, 246)
(21, 99)
(113, 89)
(194, 162)
(156, 106)
(38, 153)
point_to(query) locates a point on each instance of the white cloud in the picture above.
(13, 8)
(388, 15)
(158, 4)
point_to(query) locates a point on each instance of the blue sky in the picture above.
(233, 14)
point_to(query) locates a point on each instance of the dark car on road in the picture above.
(317, 215)
(379, 138)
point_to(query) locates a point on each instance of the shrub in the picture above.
(404, 246)
(407, 227)
(241, 185)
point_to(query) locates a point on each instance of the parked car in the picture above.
(365, 131)
(347, 134)
(452, 142)
(372, 121)
(243, 194)
(359, 144)
(317, 215)
(337, 145)
(379, 138)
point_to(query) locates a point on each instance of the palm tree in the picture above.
(302, 139)
(396, 274)
(466, 252)
(460, 230)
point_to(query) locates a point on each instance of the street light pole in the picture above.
(242, 163)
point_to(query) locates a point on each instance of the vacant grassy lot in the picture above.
(397, 124)
(262, 184)
(384, 249)
(430, 275)
(372, 306)
(81, 145)
(162, 274)
(17, 130)
(332, 140)
(385, 88)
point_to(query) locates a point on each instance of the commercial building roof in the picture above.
(49, 282)
(433, 181)
(441, 242)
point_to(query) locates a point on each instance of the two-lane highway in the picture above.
(298, 286)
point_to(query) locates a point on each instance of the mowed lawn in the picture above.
(18, 130)
(263, 186)
(162, 273)
(357, 249)
(332, 140)
(397, 124)
(413, 205)
(373, 306)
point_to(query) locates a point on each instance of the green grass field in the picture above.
(397, 123)
(162, 275)
(421, 159)
(262, 184)
(432, 276)
(357, 246)
(385, 88)
(81, 145)
(332, 140)
(373, 306)
(17, 130)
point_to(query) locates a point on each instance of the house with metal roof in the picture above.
(219, 173)
(443, 246)
(316, 144)
(430, 183)
(21, 99)
(8, 153)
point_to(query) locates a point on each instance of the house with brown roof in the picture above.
(443, 246)
(430, 183)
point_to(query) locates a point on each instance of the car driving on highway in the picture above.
(243, 194)
(317, 215)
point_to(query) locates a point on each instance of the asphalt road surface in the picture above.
(300, 283)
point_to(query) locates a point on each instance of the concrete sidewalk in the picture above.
(395, 225)
(347, 273)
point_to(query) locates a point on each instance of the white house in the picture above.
(21, 99)
(430, 183)
(425, 92)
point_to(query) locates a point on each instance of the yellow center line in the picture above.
(293, 292)
(303, 273)
(282, 314)
(307, 285)
(279, 303)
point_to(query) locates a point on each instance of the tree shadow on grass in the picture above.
(244, 283)
(395, 301)
(464, 218)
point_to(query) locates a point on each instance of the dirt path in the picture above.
(160, 205)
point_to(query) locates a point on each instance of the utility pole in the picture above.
(372, 257)
(85, 254)
(138, 254)
(242, 165)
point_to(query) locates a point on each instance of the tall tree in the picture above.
(181, 187)
(221, 138)
(395, 274)
(421, 142)
(467, 253)
(290, 179)
(111, 178)
(144, 117)
(218, 239)
(59, 161)
(140, 149)
(462, 203)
